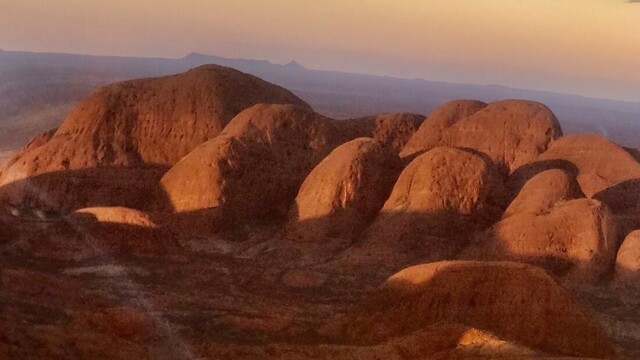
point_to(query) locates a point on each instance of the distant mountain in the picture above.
(38, 89)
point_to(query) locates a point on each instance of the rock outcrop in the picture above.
(606, 172)
(344, 193)
(96, 232)
(576, 239)
(510, 132)
(252, 170)
(135, 128)
(439, 198)
(392, 129)
(628, 262)
(432, 132)
(517, 302)
(543, 192)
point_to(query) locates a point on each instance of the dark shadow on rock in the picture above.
(623, 197)
(633, 152)
(82, 237)
(399, 239)
(66, 191)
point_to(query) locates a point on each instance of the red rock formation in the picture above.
(141, 125)
(253, 169)
(393, 129)
(344, 193)
(543, 192)
(606, 172)
(440, 197)
(514, 301)
(431, 132)
(510, 132)
(96, 232)
(628, 262)
(576, 239)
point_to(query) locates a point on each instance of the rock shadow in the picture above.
(66, 191)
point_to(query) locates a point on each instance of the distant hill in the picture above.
(38, 89)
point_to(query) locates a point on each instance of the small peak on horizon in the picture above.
(294, 65)
(196, 55)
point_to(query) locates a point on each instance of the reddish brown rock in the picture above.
(344, 193)
(123, 322)
(137, 128)
(543, 192)
(530, 309)
(440, 197)
(576, 239)
(96, 232)
(392, 129)
(253, 170)
(7, 231)
(628, 262)
(606, 172)
(510, 132)
(431, 132)
(303, 279)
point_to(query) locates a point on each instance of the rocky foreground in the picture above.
(214, 215)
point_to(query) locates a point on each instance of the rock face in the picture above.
(543, 191)
(606, 172)
(576, 239)
(444, 193)
(344, 193)
(431, 132)
(392, 129)
(141, 125)
(628, 262)
(95, 232)
(510, 132)
(254, 169)
(530, 309)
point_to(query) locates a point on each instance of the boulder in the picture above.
(431, 132)
(510, 132)
(516, 302)
(392, 129)
(576, 239)
(252, 171)
(439, 198)
(606, 171)
(546, 189)
(344, 193)
(628, 262)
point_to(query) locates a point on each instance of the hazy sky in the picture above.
(589, 47)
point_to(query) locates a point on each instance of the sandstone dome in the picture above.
(606, 171)
(253, 169)
(576, 239)
(392, 129)
(510, 132)
(439, 198)
(628, 262)
(530, 308)
(141, 127)
(343, 194)
(543, 191)
(431, 132)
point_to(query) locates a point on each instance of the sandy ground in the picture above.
(217, 300)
